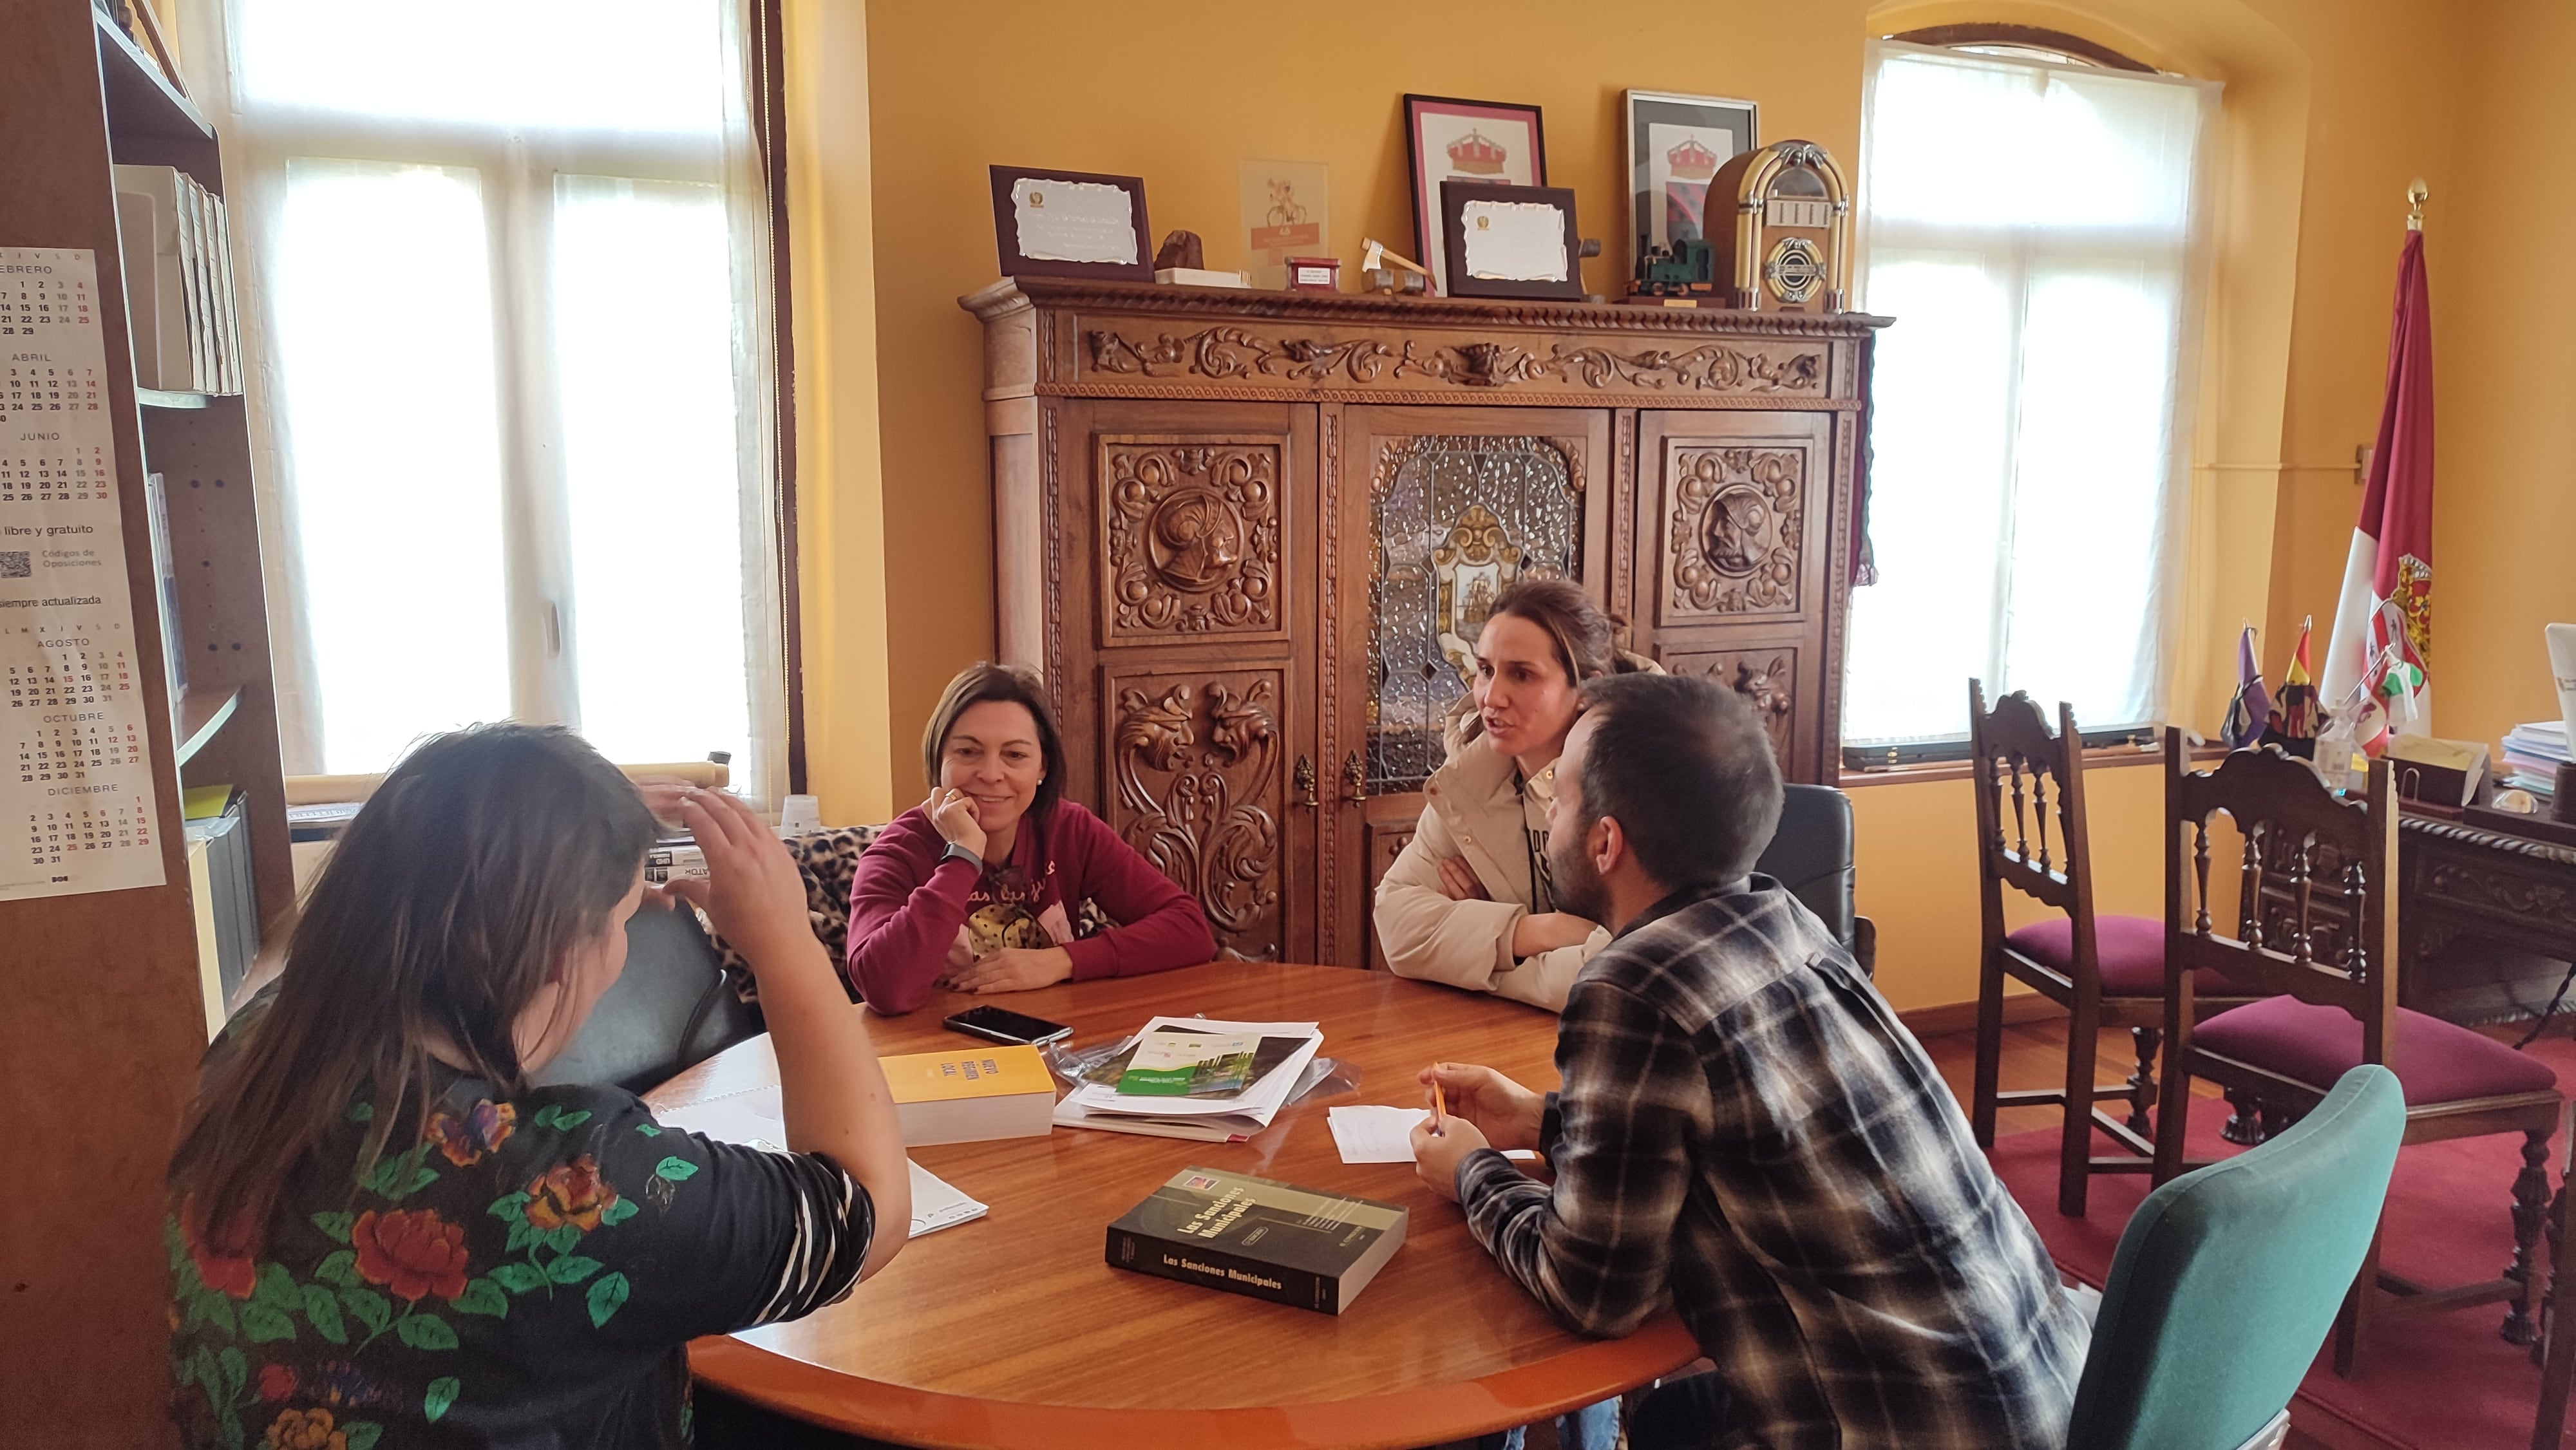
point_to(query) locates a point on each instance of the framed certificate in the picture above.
(1674, 145)
(1487, 141)
(1071, 224)
(1510, 241)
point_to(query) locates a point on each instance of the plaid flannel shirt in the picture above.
(1746, 1131)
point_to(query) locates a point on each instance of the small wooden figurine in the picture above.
(1788, 248)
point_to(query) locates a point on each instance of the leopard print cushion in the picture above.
(829, 861)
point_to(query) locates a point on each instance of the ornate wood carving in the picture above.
(1196, 763)
(1051, 487)
(1191, 537)
(1767, 676)
(1737, 530)
(1230, 353)
(2484, 888)
(1328, 605)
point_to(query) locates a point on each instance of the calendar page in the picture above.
(76, 802)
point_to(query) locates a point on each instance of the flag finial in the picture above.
(2417, 193)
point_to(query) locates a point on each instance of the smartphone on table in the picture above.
(996, 1024)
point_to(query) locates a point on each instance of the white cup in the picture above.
(799, 814)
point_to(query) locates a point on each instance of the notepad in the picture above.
(1375, 1133)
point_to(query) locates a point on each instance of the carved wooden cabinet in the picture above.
(1249, 537)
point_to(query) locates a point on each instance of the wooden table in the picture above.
(2506, 902)
(1012, 1331)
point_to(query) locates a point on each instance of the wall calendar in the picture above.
(77, 811)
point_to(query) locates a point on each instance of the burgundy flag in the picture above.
(2383, 625)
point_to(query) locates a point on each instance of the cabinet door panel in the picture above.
(1769, 676)
(1194, 759)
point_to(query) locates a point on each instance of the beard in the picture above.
(1579, 888)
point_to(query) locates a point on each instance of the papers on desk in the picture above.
(758, 1119)
(1374, 1133)
(1286, 1050)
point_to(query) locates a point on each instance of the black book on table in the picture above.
(1260, 1237)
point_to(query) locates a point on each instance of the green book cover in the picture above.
(1260, 1237)
(1169, 1064)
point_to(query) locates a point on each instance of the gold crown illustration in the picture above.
(1690, 161)
(1475, 155)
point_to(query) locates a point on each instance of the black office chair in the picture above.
(1811, 854)
(669, 1010)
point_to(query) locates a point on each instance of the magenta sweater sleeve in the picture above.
(1162, 926)
(906, 906)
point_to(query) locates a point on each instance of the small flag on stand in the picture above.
(2250, 713)
(2294, 710)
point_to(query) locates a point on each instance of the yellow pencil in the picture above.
(1439, 1106)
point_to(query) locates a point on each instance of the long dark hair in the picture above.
(1586, 637)
(483, 858)
(1012, 684)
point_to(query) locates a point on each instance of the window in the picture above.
(510, 279)
(2034, 228)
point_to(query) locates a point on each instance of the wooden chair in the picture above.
(2317, 924)
(2106, 971)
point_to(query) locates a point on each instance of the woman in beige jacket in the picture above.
(1468, 901)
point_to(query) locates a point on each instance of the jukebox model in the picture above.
(1789, 247)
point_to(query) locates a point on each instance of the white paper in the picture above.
(1514, 241)
(2562, 672)
(757, 1118)
(1373, 1133)
(1073, 221)
(77, 809)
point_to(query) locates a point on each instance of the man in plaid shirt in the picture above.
(1746, 1131)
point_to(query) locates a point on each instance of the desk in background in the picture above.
(1013, 1331)
(2487, 918)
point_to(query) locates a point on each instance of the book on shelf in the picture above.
(165, 568)
(178, 282)
(971, 1096)
(1258, 1237)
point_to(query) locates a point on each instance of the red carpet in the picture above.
(2442, 1382)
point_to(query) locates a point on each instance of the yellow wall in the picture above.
(2331, 105)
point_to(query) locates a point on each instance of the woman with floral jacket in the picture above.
(384, 1236)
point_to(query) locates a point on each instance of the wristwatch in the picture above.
(957, 852)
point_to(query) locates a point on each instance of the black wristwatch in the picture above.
(957, 852)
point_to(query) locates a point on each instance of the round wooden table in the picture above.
(1013, 1332)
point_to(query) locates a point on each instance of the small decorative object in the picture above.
(1789, 246)
(1070, 224)
(2249, 712)
(1183, 261)
(1675, 145)
(1314, 274)
(1511, 241)
(2293, 724)
(1488, 141)
(1286, 212)
(1405, 278)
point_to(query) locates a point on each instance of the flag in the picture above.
(2383, 625)
(2250, 713)
(2294, 710)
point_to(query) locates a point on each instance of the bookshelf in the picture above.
(105, 1018)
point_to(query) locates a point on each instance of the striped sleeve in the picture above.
(831, 1224)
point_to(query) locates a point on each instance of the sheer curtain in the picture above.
(2037, 232)
(508, 304)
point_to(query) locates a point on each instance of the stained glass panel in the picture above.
(1455, 520)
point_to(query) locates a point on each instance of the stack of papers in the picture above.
(757, 1119)
(1286, 1049)
(2532, 755)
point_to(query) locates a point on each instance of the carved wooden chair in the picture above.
(2317, 925)
(2106, 971)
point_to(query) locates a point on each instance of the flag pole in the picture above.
(2417, 193)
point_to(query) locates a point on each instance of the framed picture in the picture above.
(1675, 144)
(1287, 211)
(1510, 241)
(1482, 141)
(1071, 224)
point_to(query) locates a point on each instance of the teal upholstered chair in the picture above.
(2227, 1280)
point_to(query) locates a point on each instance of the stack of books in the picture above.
(178, 282)
(2532, 755)
(1189, 1077)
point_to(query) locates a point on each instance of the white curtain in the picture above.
(507, 306)
(2038, 233)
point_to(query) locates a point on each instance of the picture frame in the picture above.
(1494, 142)
(1531, 245)
(1091, 234)
(1670, 138)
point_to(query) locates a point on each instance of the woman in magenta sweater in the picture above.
(974, 889)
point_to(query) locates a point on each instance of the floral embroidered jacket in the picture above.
(525, 1273)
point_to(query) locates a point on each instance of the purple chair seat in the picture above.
(2435, 1061)
(2132, 951)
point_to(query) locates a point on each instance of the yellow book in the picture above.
(971, 1095)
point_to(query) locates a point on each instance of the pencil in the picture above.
(1439, 1106)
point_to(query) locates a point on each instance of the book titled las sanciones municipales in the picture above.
(1260, 1237)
